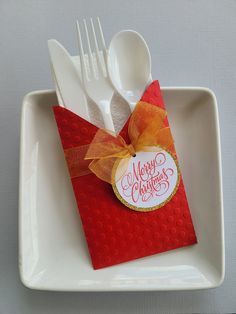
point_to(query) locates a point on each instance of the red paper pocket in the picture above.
(115, 233)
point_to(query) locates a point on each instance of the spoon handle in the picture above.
(105, 110)
(131, 105)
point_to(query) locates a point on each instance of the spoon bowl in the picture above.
(129, 65)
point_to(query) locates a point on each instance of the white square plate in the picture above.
(53, 254)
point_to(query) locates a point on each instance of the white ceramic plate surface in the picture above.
(52, 250)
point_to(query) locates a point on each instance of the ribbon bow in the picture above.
(146, 131)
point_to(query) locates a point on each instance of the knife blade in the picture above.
(68, 81)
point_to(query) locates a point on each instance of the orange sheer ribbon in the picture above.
(147, 132)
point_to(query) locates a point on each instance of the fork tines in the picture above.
(97, 58)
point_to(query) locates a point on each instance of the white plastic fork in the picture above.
(95, 80)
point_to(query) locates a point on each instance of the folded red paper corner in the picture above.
(115, 233)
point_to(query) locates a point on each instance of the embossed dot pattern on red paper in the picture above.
(115, 233)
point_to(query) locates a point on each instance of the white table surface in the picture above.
(192, 43)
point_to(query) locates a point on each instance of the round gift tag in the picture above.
(149, 182)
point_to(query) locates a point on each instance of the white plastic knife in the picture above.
(59, 97)
(67, 81)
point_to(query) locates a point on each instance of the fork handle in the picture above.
(107, 118)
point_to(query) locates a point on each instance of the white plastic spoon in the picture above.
(129, 65)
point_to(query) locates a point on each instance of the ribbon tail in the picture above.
(106, 169)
